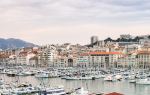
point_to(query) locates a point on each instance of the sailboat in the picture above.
(47, 90)
(80, 90)
(51, 91)
(143, 81)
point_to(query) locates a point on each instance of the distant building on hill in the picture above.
(94, 39)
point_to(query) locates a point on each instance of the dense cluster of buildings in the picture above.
(102, 54)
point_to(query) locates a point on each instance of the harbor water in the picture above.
(93, 86)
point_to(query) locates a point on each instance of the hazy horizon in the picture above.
(73, 21)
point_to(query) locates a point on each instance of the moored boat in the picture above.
(145, 81)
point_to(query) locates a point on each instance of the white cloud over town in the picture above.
(59, 21)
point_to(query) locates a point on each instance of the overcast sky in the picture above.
(74, 21)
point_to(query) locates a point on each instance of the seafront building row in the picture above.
(99, 54)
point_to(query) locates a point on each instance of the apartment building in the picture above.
(143, 58)
(98, 59)
(83, 60)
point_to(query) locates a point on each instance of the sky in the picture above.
(72, 21)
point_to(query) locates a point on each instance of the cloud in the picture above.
(21, 18)
(73, 10)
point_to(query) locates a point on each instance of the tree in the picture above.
(136, 39)
(149, 37)
(118, 40)
(130, 40)
(108, 39)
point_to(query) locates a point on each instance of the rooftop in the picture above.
(114, 93)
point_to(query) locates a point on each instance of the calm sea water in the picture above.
(94, 86)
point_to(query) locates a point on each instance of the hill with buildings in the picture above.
(14, 43)
(125, 39)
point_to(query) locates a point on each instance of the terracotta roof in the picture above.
(4, 56)
(143, 52)
(100, 53)
(34, 52)
(23, 53)
(114, 93)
